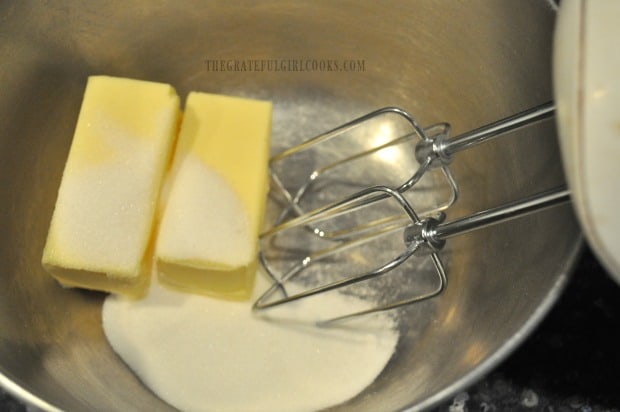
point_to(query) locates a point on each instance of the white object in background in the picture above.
(587, 93)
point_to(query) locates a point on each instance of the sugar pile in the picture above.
(204, 354)
(204, 218)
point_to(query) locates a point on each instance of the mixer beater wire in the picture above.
(368, 214)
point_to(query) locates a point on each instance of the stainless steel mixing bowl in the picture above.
(464, 62)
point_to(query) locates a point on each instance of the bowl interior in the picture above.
(467, 63)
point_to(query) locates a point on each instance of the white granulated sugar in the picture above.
(204, 219)
(204, 354)
(118, 190)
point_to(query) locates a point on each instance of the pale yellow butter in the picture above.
(103, 219)
(208, 236)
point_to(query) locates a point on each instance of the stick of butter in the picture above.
(103, 220)
(208, 236)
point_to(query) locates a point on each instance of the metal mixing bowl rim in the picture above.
(504, 351)
(13, 388)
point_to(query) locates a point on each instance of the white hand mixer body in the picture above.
(586, 76)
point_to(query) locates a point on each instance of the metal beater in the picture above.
(321, 223)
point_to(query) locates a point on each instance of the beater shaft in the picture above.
(495, 129)
(435, 232)
(430, 232)
(442, 149)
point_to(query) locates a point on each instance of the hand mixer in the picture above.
(327, 218)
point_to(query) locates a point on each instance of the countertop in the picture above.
(570, 363)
